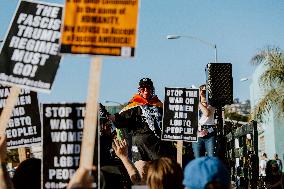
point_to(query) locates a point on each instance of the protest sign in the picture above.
(180, 114)
(29, 56)
(62, 136)
(100, 27)
(24, 126)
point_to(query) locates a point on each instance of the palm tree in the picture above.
(272, 79)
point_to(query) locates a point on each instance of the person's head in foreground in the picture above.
(273, 175)
(27, 175)
(206, 173)
(164, 173)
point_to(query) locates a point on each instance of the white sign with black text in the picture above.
(29, 57)
(180, 117)
(62, 136)
(24, 126)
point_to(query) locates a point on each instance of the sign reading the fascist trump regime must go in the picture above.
(180, 114)
(29, 56)
(100, 27)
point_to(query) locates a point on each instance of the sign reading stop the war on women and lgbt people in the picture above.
(24, 126)
(180, 119)
(62, 136)
(100, 27)
(29, 56)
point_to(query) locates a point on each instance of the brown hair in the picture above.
(165, 173)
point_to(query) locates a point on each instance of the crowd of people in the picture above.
(150, 161)
(140, 157)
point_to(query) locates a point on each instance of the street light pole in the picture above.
(214, 46)
(252, 97)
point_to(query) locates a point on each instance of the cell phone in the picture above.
(119, 134)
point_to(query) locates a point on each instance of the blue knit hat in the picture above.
(201, 171)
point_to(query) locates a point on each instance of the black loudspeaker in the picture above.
(219, 84)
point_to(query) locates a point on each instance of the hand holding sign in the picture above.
(81, 179)
(202, 133)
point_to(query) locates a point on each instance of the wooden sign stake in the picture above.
(90, 122)
(6, 114)
(179, 152)
(22, 154)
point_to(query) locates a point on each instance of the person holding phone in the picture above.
(206, 127)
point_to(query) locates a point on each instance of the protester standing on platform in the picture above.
(206, 127)
(143, 117)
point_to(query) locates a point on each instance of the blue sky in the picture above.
(238, 28)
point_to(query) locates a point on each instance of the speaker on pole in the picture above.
(219, 84)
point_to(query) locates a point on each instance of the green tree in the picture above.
(235, 116)
(273, 81)
(13, 156)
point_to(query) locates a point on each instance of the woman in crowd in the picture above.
(164, 173)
